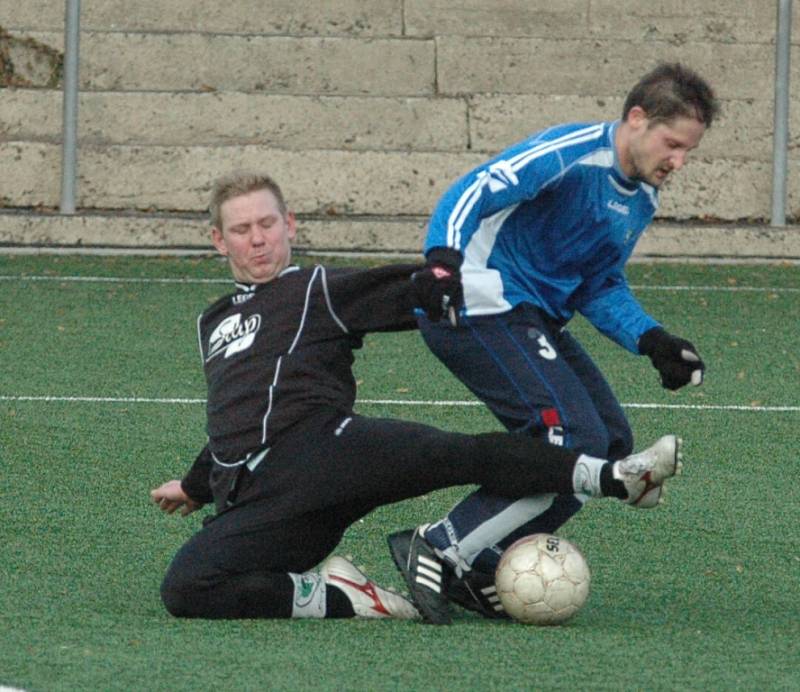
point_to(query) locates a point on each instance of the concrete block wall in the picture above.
(365, 110)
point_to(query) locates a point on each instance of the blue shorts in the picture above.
(535, 377)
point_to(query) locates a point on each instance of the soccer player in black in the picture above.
(289, 465)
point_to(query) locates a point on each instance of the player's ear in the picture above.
(219, 240)
(291, 225)
(637, 118)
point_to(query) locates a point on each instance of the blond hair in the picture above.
(240, 183)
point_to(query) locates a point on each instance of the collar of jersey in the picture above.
(251, 288)
(616, 170)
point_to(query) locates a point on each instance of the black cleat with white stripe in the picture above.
(424, 572)
(476, 591)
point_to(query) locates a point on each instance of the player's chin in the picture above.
(657, 179)
(261, 272)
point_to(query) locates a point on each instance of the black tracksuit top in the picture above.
(276, 353)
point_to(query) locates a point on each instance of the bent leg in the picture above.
(239, 567)
(244, 563)
(618, 431)
(531, 374)
(550, 512)
(537, 380)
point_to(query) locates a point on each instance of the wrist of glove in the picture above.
(676, 359)
(438, 285)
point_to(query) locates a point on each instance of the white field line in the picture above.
(145, 280)
(394, 402)
(114, 279)
(728, 289)
(389, 402)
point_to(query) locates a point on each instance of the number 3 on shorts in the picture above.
(546, 351)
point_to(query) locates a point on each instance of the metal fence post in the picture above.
(69, 157)
(780, 142)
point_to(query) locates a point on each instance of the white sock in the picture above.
(309, 595)
(586, 475)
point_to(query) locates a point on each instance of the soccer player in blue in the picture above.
(534, 235)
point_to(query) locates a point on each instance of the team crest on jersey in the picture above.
(628, 236)
(233, 335)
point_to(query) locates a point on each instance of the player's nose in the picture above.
(257, 236)
(677, 160)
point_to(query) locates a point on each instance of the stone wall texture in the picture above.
(365, 110)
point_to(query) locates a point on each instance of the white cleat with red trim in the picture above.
(645, 473)
(368, 599)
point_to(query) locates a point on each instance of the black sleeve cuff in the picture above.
(196, 481)
(446, 256)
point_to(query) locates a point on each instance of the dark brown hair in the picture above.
(672, 91)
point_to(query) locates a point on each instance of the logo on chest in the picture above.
(233, 335)
(618, 207)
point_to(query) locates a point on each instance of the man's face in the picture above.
(255, 236)
(657, 149)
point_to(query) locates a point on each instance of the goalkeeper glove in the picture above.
(675, 359)
(438, 284)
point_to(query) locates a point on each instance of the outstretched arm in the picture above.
(613, 310)
(616, 313)
(373, 300)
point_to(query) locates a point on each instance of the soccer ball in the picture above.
(542, 580)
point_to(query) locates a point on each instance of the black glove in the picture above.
(438, 285)
(675, 358)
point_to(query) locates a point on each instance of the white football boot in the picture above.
(367, 598)
(644, 473)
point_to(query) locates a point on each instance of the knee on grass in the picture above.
(178, 601)
(187, 598)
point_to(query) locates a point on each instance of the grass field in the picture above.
(101, 399)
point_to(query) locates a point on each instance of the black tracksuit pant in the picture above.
(290, 512)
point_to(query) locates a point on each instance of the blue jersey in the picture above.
(551, 221)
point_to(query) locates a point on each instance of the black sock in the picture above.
(337, 604)
(610, 486)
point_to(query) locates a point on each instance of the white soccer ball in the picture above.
(542, 580)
